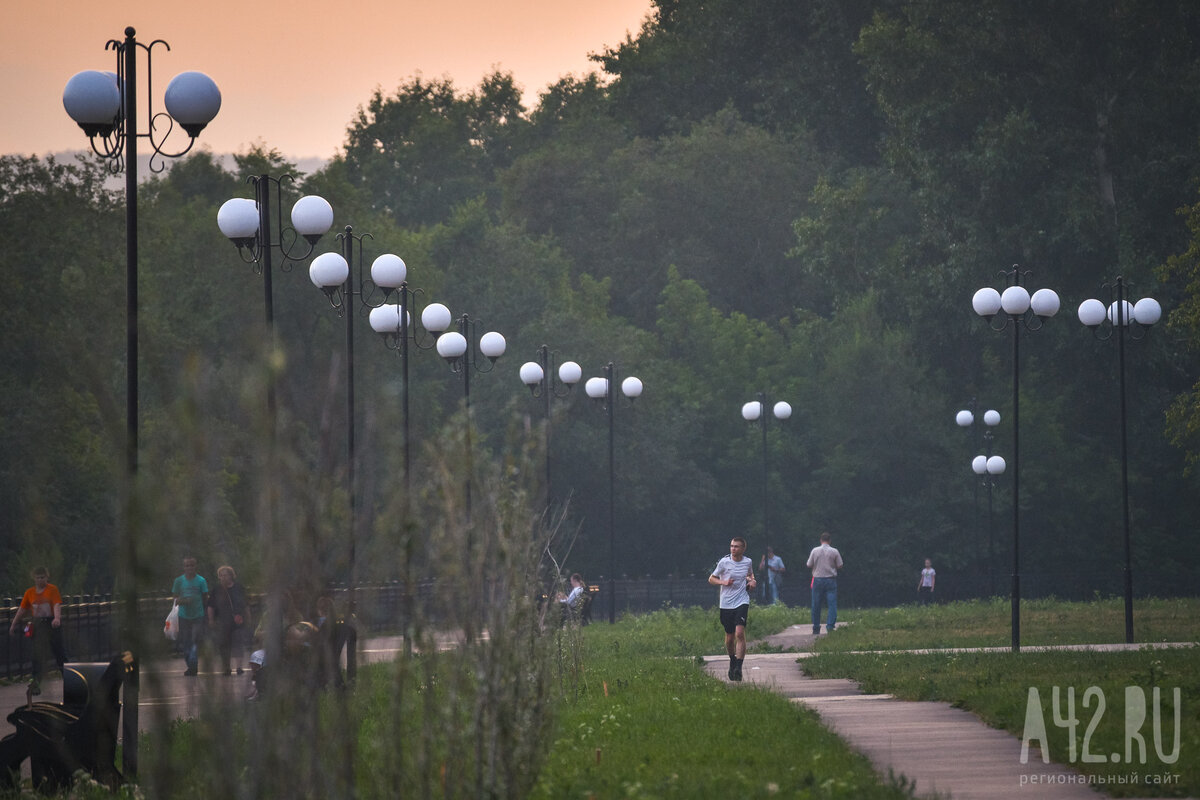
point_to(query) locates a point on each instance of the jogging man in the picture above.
(734, 573)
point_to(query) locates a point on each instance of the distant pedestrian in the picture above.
(227, 614)
(824, 561)
(42, 602)
(734, 573)
(925, 583)
(773, 565)
(191, 594)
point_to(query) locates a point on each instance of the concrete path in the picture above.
(939, 748)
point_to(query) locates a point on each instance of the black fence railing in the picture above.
(90, 629)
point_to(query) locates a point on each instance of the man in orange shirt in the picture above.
(43, 603)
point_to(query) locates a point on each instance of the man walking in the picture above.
(824, 561)
(734, 573)
(191, 595)
(42, 602)
(773, 565)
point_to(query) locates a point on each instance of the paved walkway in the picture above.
(937, 747)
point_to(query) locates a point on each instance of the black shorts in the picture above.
(731, 618)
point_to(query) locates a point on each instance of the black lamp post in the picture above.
(966, 419)
(539, 377)
(340, 277)
(987, 467)
(256, 228)
(1123, 318)
(1022, 312)
(462, 349)
(604, 391)
(105, 106)
(756, 412)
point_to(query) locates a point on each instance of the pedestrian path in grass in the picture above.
(940, 749)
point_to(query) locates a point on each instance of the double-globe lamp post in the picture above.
(965, 419)
(104, 105)
(256, 228)
(1020, 311)
(756, 412)
(461, 350)
(603, 391)
(539, 377)
(1124, 318)
(340, 277)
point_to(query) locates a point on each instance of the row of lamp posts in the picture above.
(1016, 308)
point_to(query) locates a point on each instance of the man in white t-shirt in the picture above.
(824, 561)
(734, 573)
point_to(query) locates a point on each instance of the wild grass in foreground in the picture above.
(1100, 695)
(646, 721)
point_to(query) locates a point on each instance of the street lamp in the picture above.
(461, 350)
(538, 376)
(105, 106)
(256, 228)
(341, 282)
(603, 391)
(393, 321)
(755, 411)
(1021, 311)
(1123, 317)
(966, 419)
(987, 467)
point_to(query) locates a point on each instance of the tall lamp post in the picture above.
(393, 321)
(756, 412)
(1021, 312)
(256, 228)
(461, 350)
(604, 391)
(987, 467)
(340, 277)
(966, 419)
(538, 376)
(1124, 318)
(105, 106)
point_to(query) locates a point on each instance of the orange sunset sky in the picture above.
(292, 75)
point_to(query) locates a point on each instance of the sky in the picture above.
(292, 75)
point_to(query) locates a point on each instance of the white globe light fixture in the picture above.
(385, 320)
(492, 345)
(631, 387)
(435, 317)
(93, 99)
(596, 388)
(979, 465)
(193, 100)
(783, 410)
(452, 346)
(532, 374)
(570, 373)
(964, 418)
(312, 217)
(995, 465)
(752, 411)
(238, 220)
(388, 272)
(328, 272)
(991, 418)
(1147, 311)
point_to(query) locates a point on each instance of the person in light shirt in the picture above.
(734, 573)
(824, 561)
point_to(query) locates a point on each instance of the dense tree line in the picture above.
(798, 198)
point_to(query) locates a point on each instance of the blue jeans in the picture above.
(824, 588)
(191, 631)
(773, 590)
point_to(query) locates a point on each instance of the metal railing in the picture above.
(90, 622)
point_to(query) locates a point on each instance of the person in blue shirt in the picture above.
(191, 595)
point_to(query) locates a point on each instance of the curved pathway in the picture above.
(940, 749)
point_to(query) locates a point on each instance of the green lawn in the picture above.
(1000, 687)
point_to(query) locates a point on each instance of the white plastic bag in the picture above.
(171, 626)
